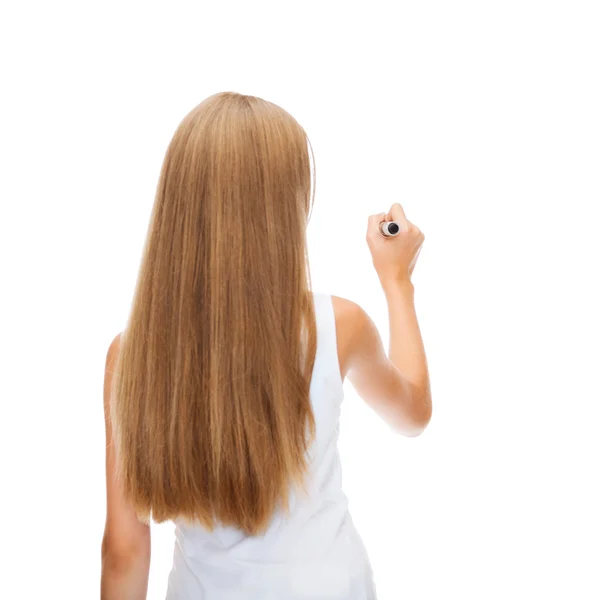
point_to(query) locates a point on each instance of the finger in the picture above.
(396, 213)
(376, 219)
(374, 223)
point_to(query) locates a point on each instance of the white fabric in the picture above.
(315, 553)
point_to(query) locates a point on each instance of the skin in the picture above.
(126, 541)
(394, 384)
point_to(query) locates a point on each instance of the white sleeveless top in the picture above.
(314, 553)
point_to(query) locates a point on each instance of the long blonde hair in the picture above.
(210, 406)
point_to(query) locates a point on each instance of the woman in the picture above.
(222, 394)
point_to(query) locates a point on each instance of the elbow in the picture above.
(114, 559)
(417, 421)
(419, 426)
(121, 559)
(423, 416)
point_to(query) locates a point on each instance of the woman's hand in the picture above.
(394, 258)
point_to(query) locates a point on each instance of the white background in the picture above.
(481, 118)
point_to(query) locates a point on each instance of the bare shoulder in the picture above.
(344, 307)
(112, 355)
(113, 352)
(115, 345)
(349, 318)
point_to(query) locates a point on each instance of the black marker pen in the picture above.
(389, 228)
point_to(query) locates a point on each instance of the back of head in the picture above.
(210, 408)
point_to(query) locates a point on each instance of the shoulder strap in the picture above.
(326, 338)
